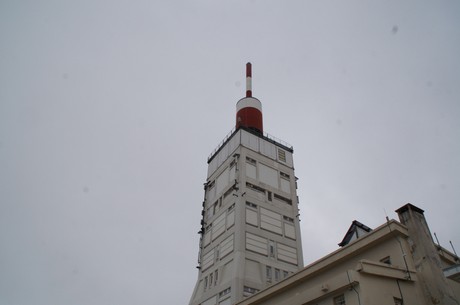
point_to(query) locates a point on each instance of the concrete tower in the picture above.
(250, 235)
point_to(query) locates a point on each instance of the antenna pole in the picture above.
(248, 80)
(453, 248)
(437, 240)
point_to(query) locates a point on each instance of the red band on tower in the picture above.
(249, 109)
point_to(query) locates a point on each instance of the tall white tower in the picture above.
(250, 235)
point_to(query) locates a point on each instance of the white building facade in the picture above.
(397, 263)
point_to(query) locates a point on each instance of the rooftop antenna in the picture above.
(437, 240)
(386, 216)
(456, 256)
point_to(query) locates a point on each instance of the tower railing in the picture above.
(222, 143)
(265, 136)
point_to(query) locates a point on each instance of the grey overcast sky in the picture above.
(109, 110)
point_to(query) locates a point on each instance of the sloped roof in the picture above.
(354, 232)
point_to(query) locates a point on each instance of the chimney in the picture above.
(425, 256)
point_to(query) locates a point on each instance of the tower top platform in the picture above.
(268, 137)
(263, 144)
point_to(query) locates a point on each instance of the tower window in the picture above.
(210, 213)
(398, 301)
(211, 184)
(283, 175)
(268, 273)
(255, 188)
(277, 274)
(250, 160)
(247, 291)
(225, 292)
(271, 248)
(286, 200)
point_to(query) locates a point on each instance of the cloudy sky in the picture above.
(109, 110)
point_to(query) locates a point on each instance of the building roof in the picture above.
(355, 231)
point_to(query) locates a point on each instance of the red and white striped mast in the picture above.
(249, 109)
(248, 80)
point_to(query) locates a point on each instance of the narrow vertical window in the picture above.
(269, 273)
(277, 274)
(271, 248)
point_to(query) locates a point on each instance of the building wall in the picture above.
(435, 286)
(380, 290)
(357, 272)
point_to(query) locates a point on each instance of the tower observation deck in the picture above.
(250, 234)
